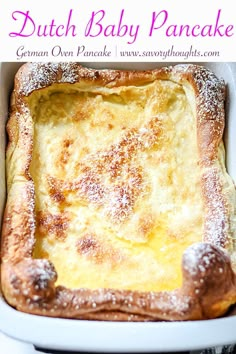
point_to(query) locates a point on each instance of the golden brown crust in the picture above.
(208, 290)
(209, 283)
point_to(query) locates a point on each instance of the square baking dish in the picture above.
(105, 342)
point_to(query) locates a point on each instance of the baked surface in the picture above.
(119, 206)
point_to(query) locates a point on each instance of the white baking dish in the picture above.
(110, 337)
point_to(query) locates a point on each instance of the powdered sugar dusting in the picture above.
(41, 272)
(210, 100)
(198, 258)
(30, 239)
(164, 305)
(69, 73)
(169, 303)
(112, 179)
(210, 93)
(180, 304)
(41, 75)
(34, 279)
(216, 225)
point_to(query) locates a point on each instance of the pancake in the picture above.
(119, 205)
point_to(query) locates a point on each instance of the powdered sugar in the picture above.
(198, 258)
(41, 272)
(41, 75)
(216, 224)
(210, 99)
(210, 91)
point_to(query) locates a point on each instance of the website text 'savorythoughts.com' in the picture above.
(83, 52)
(171, 52)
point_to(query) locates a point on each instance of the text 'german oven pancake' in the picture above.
(119, 206)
